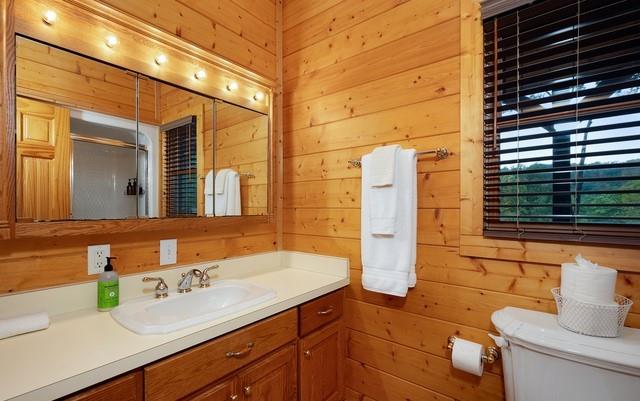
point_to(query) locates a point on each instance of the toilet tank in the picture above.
(544, 362)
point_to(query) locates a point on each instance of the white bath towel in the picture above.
(234, 206)
(208, 194)
(383, 164)
(389, 260)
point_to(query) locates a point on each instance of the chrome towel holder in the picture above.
(441, 154)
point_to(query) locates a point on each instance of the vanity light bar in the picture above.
(49, 17)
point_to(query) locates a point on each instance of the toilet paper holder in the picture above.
(491, 354)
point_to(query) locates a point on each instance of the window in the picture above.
(562, 122)
(180, 168)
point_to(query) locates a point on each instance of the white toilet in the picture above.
(544, 362)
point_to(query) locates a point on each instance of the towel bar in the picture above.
(441, 154)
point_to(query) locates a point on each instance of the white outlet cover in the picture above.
(97, 258)
(168, 251)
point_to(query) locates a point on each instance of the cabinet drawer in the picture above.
(123, 388)
(191, 370)
(320, 311)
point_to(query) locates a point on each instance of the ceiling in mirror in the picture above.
(95, 141)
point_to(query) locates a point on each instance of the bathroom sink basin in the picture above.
(179, 311)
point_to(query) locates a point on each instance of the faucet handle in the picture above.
(204, 279)
(162, 290)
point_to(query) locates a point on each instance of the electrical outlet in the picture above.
(168, 251)
(97, 258)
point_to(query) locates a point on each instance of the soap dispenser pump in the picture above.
(108, 287)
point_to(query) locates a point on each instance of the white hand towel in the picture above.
(384, 199)
(383, 165)
(23, 324)
(234, 207)
(221, 180)
(221, 198)
(388, 261)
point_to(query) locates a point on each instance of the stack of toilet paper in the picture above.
(588, 283)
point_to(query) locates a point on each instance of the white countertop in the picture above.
(84, 347)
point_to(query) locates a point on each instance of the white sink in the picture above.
(178, 311)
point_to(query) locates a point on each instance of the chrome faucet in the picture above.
(162, 291)
(184, 285)
(204, 279)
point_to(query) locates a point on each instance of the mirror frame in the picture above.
(95, 19)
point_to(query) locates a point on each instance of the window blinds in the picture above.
(562, 122)
(180, 169)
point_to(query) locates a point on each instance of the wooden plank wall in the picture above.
(50, 74)
(239, 30)
(242, 144)
(357, 75)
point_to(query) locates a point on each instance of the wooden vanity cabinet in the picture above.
(320, 352)
(294, 355)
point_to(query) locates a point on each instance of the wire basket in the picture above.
(592, 319)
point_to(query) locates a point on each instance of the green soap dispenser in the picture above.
(108, 288)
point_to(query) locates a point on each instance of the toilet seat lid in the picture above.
(542, 331)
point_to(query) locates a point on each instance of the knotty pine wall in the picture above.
(358, 74)
(242, 31)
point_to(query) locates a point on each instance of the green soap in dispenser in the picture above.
(108, 288)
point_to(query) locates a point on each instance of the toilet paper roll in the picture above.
(594, 285)
(467, 356)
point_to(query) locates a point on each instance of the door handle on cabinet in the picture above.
(307, 354)
(233, 397)
(247, 390)
(327, 311)
(241, 353)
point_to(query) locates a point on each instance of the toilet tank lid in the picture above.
(541, 330)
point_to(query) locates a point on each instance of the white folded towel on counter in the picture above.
(389, 260)
(23, 324)
(383, 165)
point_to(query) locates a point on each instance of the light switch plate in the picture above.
(97, 258)
(168, 251)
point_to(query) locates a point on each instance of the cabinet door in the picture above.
(321, 364)
(221, 391)
(271, 379)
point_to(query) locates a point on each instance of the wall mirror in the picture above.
(95, 141)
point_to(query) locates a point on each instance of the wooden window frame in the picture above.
(472, 241)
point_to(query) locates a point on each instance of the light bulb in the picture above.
(258, 96)
(200, 74)
(49, 17)
(111, 41)
(231, 86)
(161, 59)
